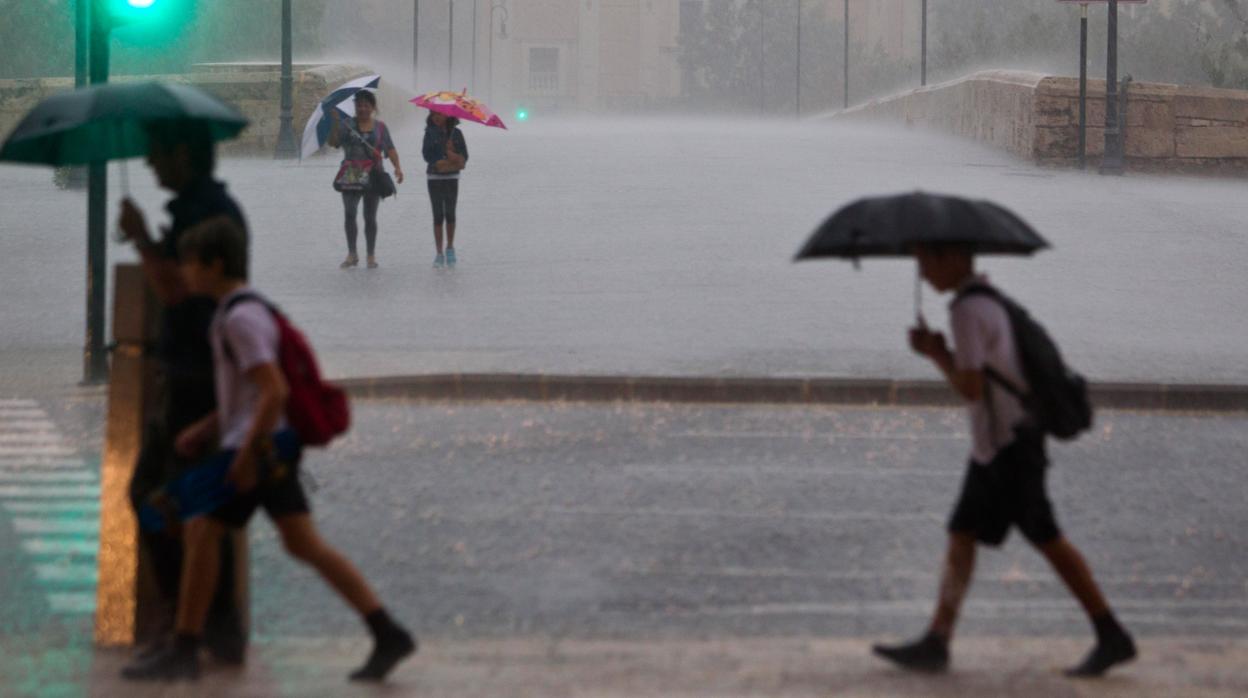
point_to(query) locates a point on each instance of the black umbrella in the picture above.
(891, 226)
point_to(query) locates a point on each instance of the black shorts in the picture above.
(1009, 491)
(279, 494)
(443, 197)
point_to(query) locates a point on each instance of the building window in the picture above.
(543, 69)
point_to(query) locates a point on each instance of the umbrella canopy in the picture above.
(110, 122)
(316, 132)
(460, 106)
(891, 226)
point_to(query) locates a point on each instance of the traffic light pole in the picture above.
(286, 148)
(1111, 163)
(95, 358)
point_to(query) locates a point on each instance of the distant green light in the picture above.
(522, 115)
(141, 4)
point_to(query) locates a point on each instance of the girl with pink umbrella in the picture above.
(446, 153)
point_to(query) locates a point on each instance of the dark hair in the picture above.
(217, 238)
(195, 135)
(451, 122)
(366, 96)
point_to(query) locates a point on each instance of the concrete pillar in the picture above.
(129, 607)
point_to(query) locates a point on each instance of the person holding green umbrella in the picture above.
(175, 127)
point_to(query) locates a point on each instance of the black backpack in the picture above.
(1059, 396)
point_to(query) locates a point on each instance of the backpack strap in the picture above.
(241, 298)
(983, 289)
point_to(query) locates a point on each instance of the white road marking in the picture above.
(55, 499)
(79, 526)
(21, 413)
(652, 513)
(44, 462)
(8, 476)
(73, 573)
(31, 438)
(72, 602)
(48, 492)
(60, 546)
(36, 425)
(816, 436)
(45, 450)
(681, 469)
(985, 607)
(83, 506)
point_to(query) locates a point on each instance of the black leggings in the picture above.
(443, 195)
(351, 204)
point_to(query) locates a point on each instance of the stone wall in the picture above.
(1168, 127)
(254, 88)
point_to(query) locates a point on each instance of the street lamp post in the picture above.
(798, 89)
(845, 81)
(1111, 163)
(923, 49)
(286, 148)
(496, 5)
(95, 358)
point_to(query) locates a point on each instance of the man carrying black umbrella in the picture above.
(1004, 485)
(182, 155)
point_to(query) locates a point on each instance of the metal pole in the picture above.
(490, 77)
(95, 359)
(416, 44)
(845, 82)
(450, 47)
(762, 60)
(286, 148)
(1111, 163)
(799, 58)
(82, 33)
(473, 81)
(923, 50)
(1083, 86)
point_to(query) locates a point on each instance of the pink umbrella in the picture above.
(460, 106)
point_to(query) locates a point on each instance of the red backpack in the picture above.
(317, 410)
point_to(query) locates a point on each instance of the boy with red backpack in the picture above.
(1017, 390)
(270, 402)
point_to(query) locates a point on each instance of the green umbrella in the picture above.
(110, 122)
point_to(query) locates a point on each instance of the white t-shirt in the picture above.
(252, 337)
(982, 336)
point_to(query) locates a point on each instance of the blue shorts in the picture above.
(203, 489)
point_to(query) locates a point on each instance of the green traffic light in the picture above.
(522, 115)
(141, 4)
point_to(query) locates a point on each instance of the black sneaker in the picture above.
(171, 664)
(929, 654)
(387, 653)
(1116, 650)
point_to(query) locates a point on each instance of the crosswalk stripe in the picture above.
(32, 439)
(44, 492)
(36, 451)
(17, 402)
(22, 413)
(85, 527)
(74, 573)
(86, 507)
(13, 462)
(28, 425)
(60, 546)
(7, 476)
(72, 601)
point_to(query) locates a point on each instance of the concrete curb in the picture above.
(814, 391)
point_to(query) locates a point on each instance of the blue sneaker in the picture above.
(450, 256)
(439, 261)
